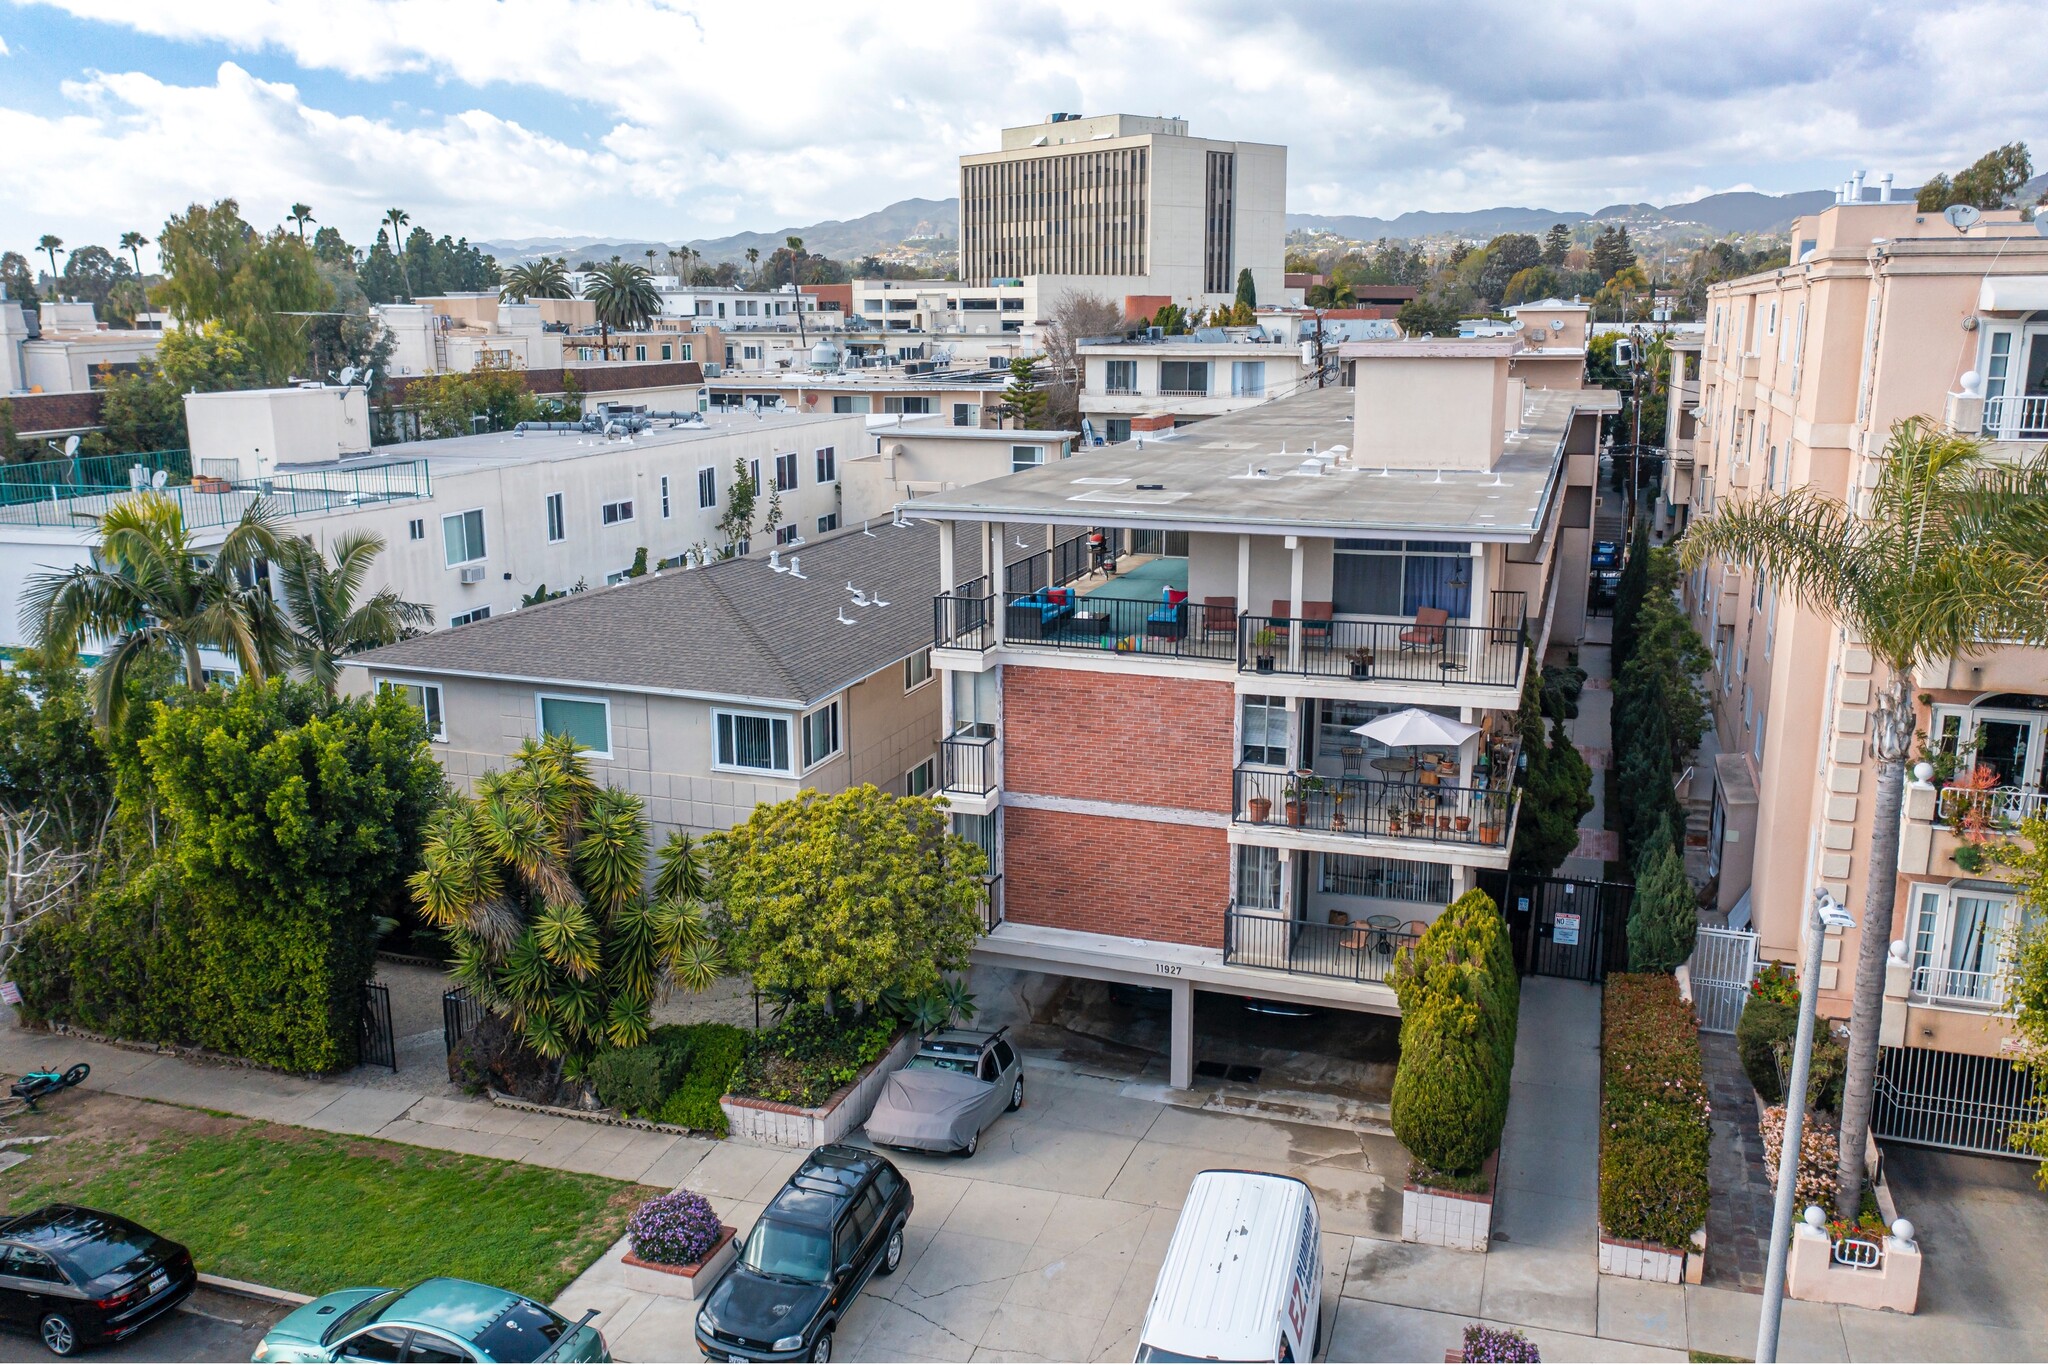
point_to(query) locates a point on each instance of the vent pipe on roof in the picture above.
(1856, 187)
(1884, 188)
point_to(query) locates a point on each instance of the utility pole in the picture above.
(1321, 373)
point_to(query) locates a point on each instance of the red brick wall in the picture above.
(1136, 878)
(1105, 737)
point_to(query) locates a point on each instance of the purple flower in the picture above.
(674, 1229)
(1496, 1343)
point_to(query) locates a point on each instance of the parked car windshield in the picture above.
(963, 1065)
(525, 1332)
(790, 1251)
(364, 1313)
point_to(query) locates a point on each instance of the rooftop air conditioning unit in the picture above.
(473, 573)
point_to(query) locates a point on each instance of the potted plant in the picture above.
(1462, 823)
(1262, 644)
(1361, 662)
(675, 1240)
(1260, 809)
(1296, 793)
(1337, 799)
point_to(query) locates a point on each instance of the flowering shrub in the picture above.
(1817, 1155)
(1653, 1111)
(678, 1228)
(809, 1055)
(1498, 1343)
(1776, 982)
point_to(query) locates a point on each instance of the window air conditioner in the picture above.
(473, 573)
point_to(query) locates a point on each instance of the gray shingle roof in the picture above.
(734, 628)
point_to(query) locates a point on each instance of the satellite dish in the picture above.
(160, 478)
(70, 446)
(348, 375)
(1961, 217)
(1557, 324)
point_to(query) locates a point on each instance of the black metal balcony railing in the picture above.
(1401, 651)
(1189, 630)
(967, 764)
(961, 621)
(991, 902)
(1371, 808)
(1353, 952)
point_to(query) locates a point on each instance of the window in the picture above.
(1962, 942)
(1265, 730)
(1026, 457)
(963, 414)
(1184, 378)
(749, 741)
(616, 512)
(750, 352)
(918, 781)
(912, 404)
(707, 488)
(667, 351)
(463, 534)
(639, 353)
(785, 472)
(1119, 376)
(821, 734)
(463, 618)
(428, 1349)
(917, 670)
(556, 531)
(416, 529)
(754, 475)
(1248, 379)
(379, 1343)
(1117, 430)
(786, 535)
(828, 522)
(1756, 743)
(852, 402)
(664, 497)
(26, 1264)
(1391, 879)
(2007, 733)
(425, 696)
(1258, 877)
(1397, 578)
(828, 464)
(586, 720)
(979, 830)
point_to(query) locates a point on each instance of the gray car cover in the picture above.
(928, 1108)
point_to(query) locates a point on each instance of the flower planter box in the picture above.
(1450, 1218)
(1812, 1273)
(1632, 1260)
(682, 1281)
(789, 1125)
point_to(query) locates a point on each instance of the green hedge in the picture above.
(1765, 1023)
(1459, 996)
(810, 1054)
(1653, 1110)
(676, 1076)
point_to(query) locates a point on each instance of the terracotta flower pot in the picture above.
(1260, 809)
(1294, 812)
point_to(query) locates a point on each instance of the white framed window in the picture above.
(754, 475)
(1258, 877)
(1265, 730)
(425, 696)
(786, 535)
(463, 618)
(707, 487)
(828, 522)
(1392, 879)
(639, 353)
(1026, 457)
(688, 348)
(1119, 376)
(821, 734)
(664, 497)
(828, 464)
(2007, 733)
(462, 533)
(917, 670)
(586, 720)
(785, 472)
(918, 781)
(963, 414)
(668, 350)
(750, 742)
(616, 512)
(1962, 944)
(557, 528)
(416, 529)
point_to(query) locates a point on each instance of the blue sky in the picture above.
(669, 121)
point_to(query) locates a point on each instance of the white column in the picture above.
(946, 573)
(1181, 1049)
(999, 613)
(1244, 573)
(1294, 607)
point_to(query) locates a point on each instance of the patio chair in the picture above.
(1219, 616)
(1316, 618)
(1430, 630)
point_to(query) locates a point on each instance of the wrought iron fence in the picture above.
(1345, 952)
(1374, 808)
(1954, 1100)
(207, 502)
(378, 1045)
(460, 1015)
(963, 621)
(1723, 964)
(1185, 630)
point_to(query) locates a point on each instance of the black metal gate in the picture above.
(378, 1045)
(460, 1014)
(1562, 926)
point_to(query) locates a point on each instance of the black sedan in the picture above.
(837, 1222)
(77, 1277)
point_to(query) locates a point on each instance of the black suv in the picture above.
(838, 1220)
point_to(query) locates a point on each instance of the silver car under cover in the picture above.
(928, 1108)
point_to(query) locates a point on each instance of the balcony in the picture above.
(1400, 651)
(2016, 417)
(967, 765)
(1374, 808)
(2000, 808)
(1955, 987)
(1341, 952)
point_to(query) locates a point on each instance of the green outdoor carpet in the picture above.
(1146, 581)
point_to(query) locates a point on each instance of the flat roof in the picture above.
(1244, 472)
(501, 449)
(927, 426)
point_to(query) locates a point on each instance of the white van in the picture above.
(1243, 1278)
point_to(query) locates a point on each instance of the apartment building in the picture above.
(707, 690)
(1156, 663)
(964, 397)
(70, 353)
(1885, 313)
(1142, 384)
(911, 456)
(457, 332)
(949, 307)
(1122, 204)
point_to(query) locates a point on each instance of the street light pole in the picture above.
(1827, 913)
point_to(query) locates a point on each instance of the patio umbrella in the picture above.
(1411, 727)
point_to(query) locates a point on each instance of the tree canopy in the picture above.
(1992, 181)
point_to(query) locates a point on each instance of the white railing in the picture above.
(1954, 986)
(2004, 807)
(2016, 415)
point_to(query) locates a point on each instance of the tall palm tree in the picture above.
(330, 619)
(1947, 560)
(542, 279)
(650, 260)
(797, 257)
(397, 219)
(754, 261)
(301, 214)
(152, 590)
(50, 245)
(625, 299)
(132, 243)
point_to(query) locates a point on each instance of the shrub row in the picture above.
(1653, 1112)
(676, 1076)
(1459, 997)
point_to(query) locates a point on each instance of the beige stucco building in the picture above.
(1884, 313)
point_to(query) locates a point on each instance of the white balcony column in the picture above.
(999, 611)
(1244, 573)
(1294, 606)
(1181, 1048)
(946, 572)
(1479, 615)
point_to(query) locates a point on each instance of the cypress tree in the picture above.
(1662, 921)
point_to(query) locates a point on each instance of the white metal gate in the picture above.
(1962, 1102)
(1723, 962)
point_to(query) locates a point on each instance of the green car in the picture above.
(436, 1321)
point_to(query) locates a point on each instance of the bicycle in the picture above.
(40, 1085)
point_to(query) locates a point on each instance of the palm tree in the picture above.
(541, 279)
(329, 618)
(1947, 560)
(650, 260)
(132, 243)
(301, 214)
(152, 590)
(396, 219)
(754, 261)
(50, 245)
(797, 256)
(625, 299)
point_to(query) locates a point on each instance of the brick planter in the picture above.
(1450, 1218)
(1632, 1260)
(789, 1125)
(682, 1281)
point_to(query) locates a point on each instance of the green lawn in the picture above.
(310, 1211)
